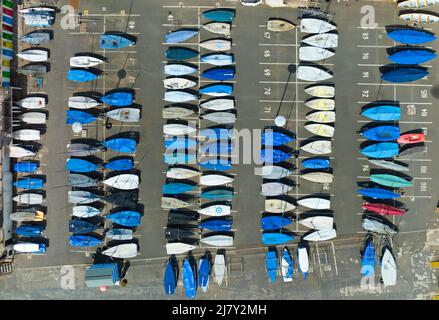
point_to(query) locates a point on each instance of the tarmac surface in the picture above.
(264, 88)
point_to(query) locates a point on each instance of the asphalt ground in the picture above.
(262, 61)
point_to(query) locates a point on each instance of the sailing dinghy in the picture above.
(34, 55)
(85, 61)
(287, 266)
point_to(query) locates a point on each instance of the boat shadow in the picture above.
(393, 66)
(90, 94)
(412, 149)
(400, 48)
(91, 54)
(374, 124)
(392, 27)
(317, 195)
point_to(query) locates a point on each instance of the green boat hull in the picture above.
(389, 180)
(180, 54)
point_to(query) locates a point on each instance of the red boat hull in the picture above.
(411, 138)
(383, 209)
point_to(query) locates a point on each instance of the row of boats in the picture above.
(199, 157)
(193, 275)
(384, 143)
(29, 217)
(414, 11)
(276, 153)
(85, 170)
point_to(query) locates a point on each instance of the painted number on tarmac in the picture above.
(424, 113)
(365, 35)
(424, 94)
(267, 53)
(267, 109)
(267, 91)
(424, 169)
(365, 55)
(365, 93)
(423, 186)
(365, 167)
(267, 35)
(267, 72)
(365, 74)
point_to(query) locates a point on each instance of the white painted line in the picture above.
(197, 7)
(364, 46)
(404, 196)
(393, 84)
(373, 28)
(186, 25)
(286, 101)
(409, 122)
(421, 160)
(111, 15)
(92, 33)
(379, 65)
(288, 63)
(284, 82)
(418, 103)
(278, 45)
(116, 51)
(272, 119)
(414, 178)
(215, 81)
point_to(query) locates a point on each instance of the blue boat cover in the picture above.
(213, 148)
(217, 58)
(220, 15)
(180, 35)
(217, 195)
(120, 164)
(121, 145)
(381, 150)
(169, 280)
(118, 99)
(275, 138)
(216, 133)
(219, 74)
(114, 41)
(79, 116)
(217, 225)
(83, 241)
(29, 183)
(382, 133)
(410, 36)
(216, 164)
(203, 272)
(80, 75)
(404, 75)
(378, 193)
(289, 259)
(81, 226)
(125, 218)
(80, 165)
(178, 142)
(274, 222)
(25, 166)
(368, 260)
(274, 155)
(383, 113)
(189, 281)
(271, 264)
(180, 158)
(275, 238)
(177, 188)
(316, 163)
(29, 231)
(225, 89)
(412, 56)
